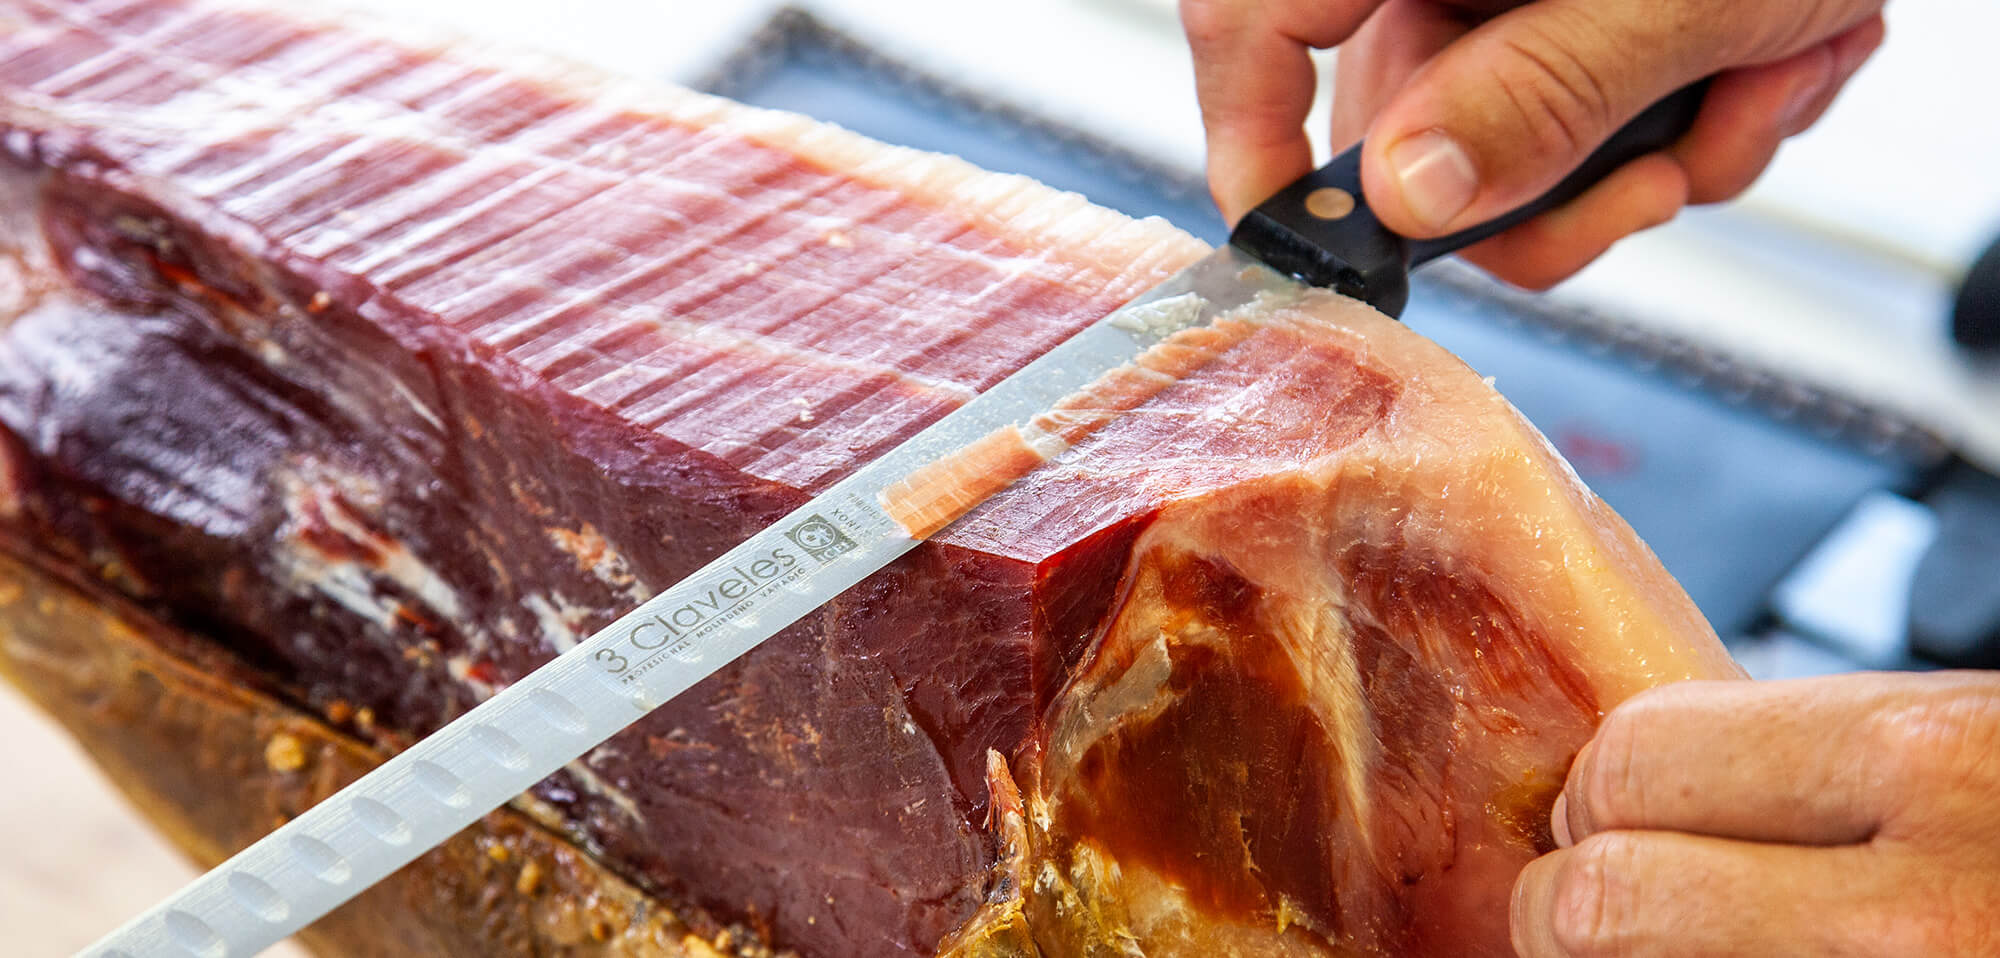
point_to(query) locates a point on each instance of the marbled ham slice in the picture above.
(393, 367)
(1354, 651)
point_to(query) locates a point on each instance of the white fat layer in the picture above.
(558, 620)
(1161, 318)
(588, 779)
(350, 583)
(459, 667)
(27, 270)
(597, 556)
(617, 573)
(1316, 638)
(346, 583)
(1044, 444)
(422, 409)
(1139, 693)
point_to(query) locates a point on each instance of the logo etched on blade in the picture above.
(821, 539)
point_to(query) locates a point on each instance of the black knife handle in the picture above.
(1333, 239)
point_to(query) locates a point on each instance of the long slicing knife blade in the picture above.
(494, 752)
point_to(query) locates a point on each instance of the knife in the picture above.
(1353, 253)
(1318, 231)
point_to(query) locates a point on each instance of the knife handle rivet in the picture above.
(1330, 203)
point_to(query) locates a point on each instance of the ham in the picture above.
(387, 367)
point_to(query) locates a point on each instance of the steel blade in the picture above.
(494, 752)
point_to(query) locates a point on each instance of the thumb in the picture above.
(1501, 115)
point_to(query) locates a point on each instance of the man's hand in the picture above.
(1474, 107)
(1852, 815)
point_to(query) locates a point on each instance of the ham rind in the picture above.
(391, 367)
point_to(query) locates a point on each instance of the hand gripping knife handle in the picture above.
(1320, 229)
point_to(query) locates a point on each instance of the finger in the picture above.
(1743, 120)
(1381, 57)
(1793, 761)
(1661, 894)
(1749, 112)
(1502, 115)
(1551, 247)
(1851, 50)
(1255, 82)
(1393, 44)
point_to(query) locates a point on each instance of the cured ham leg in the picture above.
(385, 367)
(1346, 672)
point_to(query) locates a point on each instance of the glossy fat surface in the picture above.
(1369, 623)
(690, 267)
(500, 352)
(1351, 663)
(506, 347)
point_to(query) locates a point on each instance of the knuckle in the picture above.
(1613, 787)
(1557, 94)
(1951, 927)
(1731, 182)
(1209, 23)
(1972, 927)
(1941, 744)
(1595, 903)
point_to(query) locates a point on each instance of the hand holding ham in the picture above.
(1472, 108)
(1851, 815)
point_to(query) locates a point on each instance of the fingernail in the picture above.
(1528, 911)
(1801, 100)
(1852, 55)
(1435, 175)
(1517, 915)
(1559, 821)
(1805, 95)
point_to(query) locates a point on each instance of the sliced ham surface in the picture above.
(393, 366)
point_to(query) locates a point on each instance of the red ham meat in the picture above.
(388, 367)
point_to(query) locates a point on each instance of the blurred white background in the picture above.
(1906, 159)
